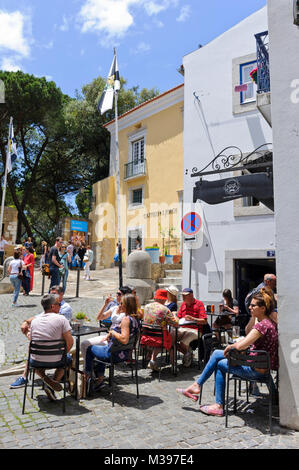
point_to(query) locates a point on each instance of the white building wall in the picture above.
(284, 65)
(209, 127)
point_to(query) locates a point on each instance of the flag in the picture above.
(12, 148)
(112, 85)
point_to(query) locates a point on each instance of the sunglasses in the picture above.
(118, 293)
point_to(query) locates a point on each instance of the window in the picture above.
(135, 197)
(245, 79)
(138, 151)
(134, 235)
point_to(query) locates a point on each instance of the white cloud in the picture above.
(141, 48)
(14, 32)
(184, 13)
(10, 64)
(65, 25)
(153, 7)
(113, 18)
(109, 16)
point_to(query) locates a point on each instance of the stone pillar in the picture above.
(284, 67)
(139, 275)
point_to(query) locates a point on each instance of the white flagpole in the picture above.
(5, 176)
(118, 187)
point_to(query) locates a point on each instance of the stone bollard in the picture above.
(139, 275)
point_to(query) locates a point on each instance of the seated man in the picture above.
(65, 308)
(49, 322)
(192, 311)
(49, 325)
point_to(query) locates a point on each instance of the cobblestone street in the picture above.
(160, 419)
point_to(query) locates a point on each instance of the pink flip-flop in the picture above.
(207, 410)
(182, 391)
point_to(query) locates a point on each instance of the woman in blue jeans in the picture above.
(117, 336)
(263, 336)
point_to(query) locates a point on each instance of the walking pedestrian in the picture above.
(54, 263)
(65, 259)
(88, 260)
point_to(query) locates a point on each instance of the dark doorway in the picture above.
(249, 273)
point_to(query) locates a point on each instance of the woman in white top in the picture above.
(14, 269)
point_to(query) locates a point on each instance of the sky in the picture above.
(72, 41)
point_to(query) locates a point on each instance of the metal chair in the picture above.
(131, 346)
(153, 332)
(46, 348)
(256, 360)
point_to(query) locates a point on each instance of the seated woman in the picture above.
(172, 298)
(273, 315)
(229, 305)
(264, 336)
(157, 315)
(120, 335)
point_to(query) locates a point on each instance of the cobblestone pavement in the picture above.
(160, 419)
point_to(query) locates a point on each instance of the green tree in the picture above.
(37, 108)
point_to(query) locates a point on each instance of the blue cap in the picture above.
(187, 291)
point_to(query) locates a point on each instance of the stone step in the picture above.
(167, 281)
(163, 286)
(174, 273)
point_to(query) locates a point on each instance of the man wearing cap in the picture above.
(191, 311)
(157, 315)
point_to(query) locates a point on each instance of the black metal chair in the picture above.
(147, 330)
(256, 360)
(46, 348)
(131, 346)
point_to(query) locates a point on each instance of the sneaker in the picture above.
(19, 383)
(187, 359)
(153, 365)
(50, 393)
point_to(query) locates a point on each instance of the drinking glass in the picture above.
(236, 332)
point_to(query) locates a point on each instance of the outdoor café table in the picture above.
(215, 314)
(77, 333)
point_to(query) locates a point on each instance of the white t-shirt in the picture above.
(3, 243)
(48, 326)
(115, 317)
(15, 264)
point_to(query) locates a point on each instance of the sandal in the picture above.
(208, 410)
(182, 391)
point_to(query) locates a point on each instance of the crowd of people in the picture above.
(124, 314)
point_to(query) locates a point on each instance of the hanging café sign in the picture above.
(256, 179)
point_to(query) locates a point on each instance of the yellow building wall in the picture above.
(162, 180)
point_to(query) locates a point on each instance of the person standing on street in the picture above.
(54, 263)
(88, 260)
(3, 244)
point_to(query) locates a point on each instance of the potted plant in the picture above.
(177, 259)
(154, 252)
(80, 317)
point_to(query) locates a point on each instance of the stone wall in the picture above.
(10, 222)
(158, 270)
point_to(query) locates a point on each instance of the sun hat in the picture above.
(187, 291)
(161, 294)
(173, 290)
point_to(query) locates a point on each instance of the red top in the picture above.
(196, 310)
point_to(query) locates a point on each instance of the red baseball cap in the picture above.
(161, 294)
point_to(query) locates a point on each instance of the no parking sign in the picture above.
(191, 226)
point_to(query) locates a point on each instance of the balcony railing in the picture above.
(135, 168)
(263, 67)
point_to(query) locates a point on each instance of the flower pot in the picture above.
(162, 259)
(177, 259)
(168, 259)
(154, 254)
